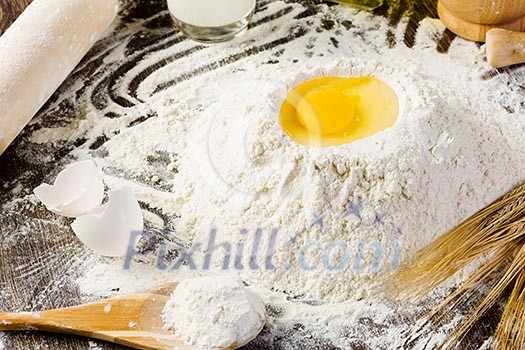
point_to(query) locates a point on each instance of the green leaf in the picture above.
(368, 5)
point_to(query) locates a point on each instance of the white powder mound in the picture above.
(213, 312)
(341, 216)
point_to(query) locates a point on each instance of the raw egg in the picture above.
(333, 111)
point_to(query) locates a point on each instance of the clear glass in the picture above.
(212, 21)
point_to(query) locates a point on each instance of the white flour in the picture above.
(93, 345)
(213, 312)
(342, 213)
(341, 323)
(453, 151)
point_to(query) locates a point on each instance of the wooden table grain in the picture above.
(39, 257)
(9, 11)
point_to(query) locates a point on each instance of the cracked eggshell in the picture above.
(77, 190)
(109, 230)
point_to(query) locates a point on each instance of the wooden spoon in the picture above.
(132, 320)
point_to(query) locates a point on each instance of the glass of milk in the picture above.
(212, 20)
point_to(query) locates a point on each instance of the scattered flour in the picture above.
(214, 312)
(93, 345)
(384, 326)
(107, 308)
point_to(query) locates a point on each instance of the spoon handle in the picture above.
(131, 320)
(112, 315)
(20, 321)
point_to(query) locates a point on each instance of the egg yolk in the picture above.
(333, 111)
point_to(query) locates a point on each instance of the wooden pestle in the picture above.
(472, 19)
(505, 47)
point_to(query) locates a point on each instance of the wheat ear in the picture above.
(496, 233)
(479, 235)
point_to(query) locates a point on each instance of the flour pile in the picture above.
(213, 312)
(322, 223)
(326, 221)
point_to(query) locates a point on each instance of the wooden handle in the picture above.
(115, 315)
(19, 321)
(505, 47)
(132, 320)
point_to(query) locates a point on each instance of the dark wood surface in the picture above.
(39, 256)
(9, 11)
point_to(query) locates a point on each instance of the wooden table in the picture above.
(9, 11)
(39, 256)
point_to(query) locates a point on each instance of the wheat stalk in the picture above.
(511, 330)
(496, 233)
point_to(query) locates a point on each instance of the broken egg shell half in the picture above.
(109, 230)
(77, 190)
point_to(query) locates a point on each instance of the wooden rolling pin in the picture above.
(505, 47)
(38, 52)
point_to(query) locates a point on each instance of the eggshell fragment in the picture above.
(77, 190)
(110, 230)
